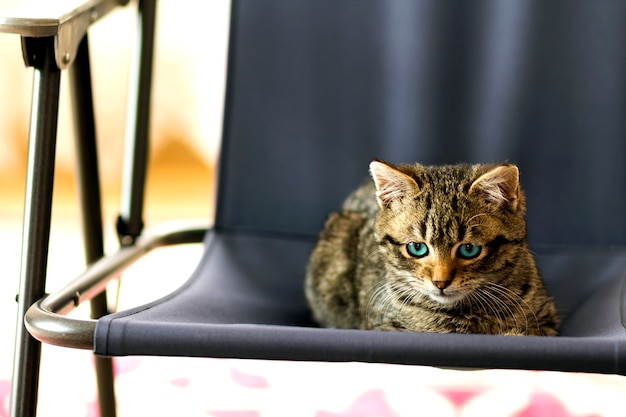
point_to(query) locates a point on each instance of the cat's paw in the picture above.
(514, 333)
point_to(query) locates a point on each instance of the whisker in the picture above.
(373, 306)
(487, 307)
(388, 299)
(507, 292)
(408, 296)
(471, 226)
(505, 306)
(379, 302)
(372, 253)
(474, 217)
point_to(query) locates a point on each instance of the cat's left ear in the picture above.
(499, 186)
(391, 183)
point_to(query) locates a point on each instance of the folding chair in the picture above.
(318, 88)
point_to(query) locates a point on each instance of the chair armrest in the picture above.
(66, 21)
(46, 321)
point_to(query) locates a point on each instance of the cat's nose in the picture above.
(442, 275)
(442, 284)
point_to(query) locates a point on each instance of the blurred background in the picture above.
(187, 96)
(188, 89)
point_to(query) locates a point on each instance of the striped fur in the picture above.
(476, 276)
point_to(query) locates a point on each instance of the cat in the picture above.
(432, 249)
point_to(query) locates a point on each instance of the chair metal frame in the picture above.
(53, 41)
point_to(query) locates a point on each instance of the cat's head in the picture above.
(446, 230)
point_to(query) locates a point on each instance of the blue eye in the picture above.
(417, 250)
(469, 251)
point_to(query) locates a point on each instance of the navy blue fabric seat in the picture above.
(318, 88)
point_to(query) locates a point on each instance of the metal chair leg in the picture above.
(91, 207)
(130, 220)
(38, 53)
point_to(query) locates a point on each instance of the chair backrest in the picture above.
(318, 88)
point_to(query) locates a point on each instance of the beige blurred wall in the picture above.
(188, 89)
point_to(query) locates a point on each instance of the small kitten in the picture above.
(431, 248)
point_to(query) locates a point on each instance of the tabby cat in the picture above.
(431, 248)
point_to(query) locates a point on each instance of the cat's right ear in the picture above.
(391, 184)
(500, 186)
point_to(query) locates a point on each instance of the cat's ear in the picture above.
(391, 183)
(499, 186)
